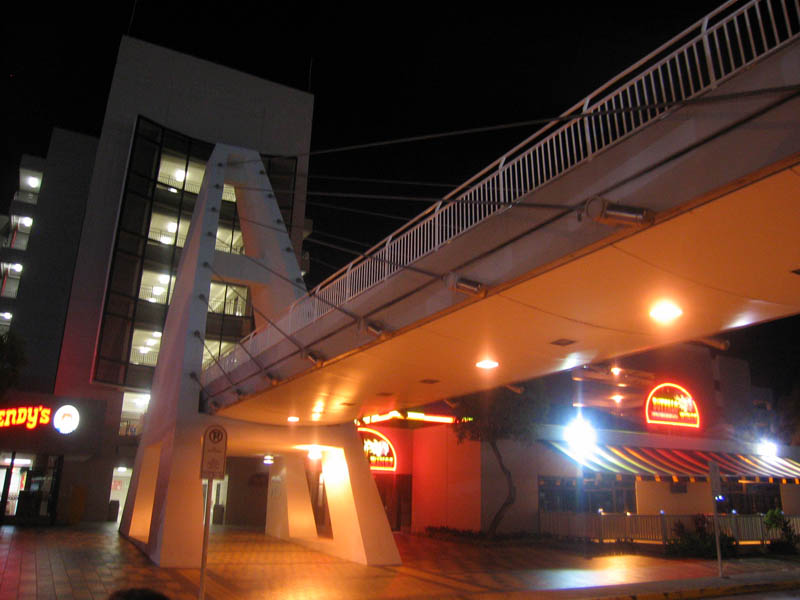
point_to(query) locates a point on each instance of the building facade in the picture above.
(93, 242)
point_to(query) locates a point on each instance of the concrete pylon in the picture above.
(361, 531)
(164, 510)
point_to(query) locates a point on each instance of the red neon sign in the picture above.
(671, 404)
(378, 450)
(29, 416)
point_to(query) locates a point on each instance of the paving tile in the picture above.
(89, 562)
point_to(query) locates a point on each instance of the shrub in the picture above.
(787, 544)
(699, 543)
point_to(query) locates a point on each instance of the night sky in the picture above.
(403, 70)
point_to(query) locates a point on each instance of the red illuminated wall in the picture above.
(447, 480)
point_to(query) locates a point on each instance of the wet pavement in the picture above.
(89, 562)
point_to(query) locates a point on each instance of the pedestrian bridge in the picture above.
(532, 264)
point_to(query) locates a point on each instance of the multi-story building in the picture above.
(94, 237)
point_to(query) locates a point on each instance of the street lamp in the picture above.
(580, 436)
(767, 448)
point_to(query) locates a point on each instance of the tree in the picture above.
(12, 359)
(509, 412)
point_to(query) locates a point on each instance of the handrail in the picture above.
(690, 64)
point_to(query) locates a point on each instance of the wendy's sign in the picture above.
(670, 404)
(378, 450)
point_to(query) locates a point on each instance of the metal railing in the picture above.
(653, 528)
(26, 197)
(193, 187)
(694, 62)
(170, 238)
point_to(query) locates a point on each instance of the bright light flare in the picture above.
(33, 182)
(617, 398)
(767, 448)
(487, 363)
(580, 436)
(293, 419)
(314, 453)
(665, 312)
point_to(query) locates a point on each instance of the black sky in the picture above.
(391, 70)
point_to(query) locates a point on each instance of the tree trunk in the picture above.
(510, 497)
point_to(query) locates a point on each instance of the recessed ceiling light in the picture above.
(144, 349)
(293, 419)
(33, 181)
(166, 239)
(6, 316)
(617, 398)
(173, 190)
(26, 221)
(151, 342)
(158, 290)
(616, 371)
(487, 363)
(163, 278)
(172, 227)
(156, 334)
(563, 342)
(180, 174)
(665, 312)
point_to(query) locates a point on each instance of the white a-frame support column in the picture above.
(164, 509)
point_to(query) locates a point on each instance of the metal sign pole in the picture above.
(212, 466)
(713, 474)
(201, 594)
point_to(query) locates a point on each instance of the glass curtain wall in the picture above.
(165, 171)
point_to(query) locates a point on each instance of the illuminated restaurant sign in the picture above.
(65, 420)
(670, 404)
(378, 450)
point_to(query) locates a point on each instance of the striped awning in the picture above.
(658, 462)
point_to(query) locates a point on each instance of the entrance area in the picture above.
(29, 484)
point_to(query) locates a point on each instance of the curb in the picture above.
(710, 592)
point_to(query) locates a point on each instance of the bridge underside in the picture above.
(729, 259)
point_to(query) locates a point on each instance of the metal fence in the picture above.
(607, 527)
(696, 61)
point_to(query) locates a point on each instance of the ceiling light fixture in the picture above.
(468, 286)
(665, 312)
(26, 221)
(163, 278)
(180, 175)
(487, 363)
(293, 419)
(33, 181)
(615, 371)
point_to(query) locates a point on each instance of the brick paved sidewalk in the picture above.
(89, 562)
